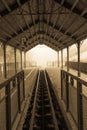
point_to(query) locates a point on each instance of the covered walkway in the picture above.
(60, 25)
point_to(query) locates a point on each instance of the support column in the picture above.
(78, 48)
(8, 107)
(79, 106)
(4, 49)
(21, 59)
(68, 58)
(24, 59)
(61, 84)
(19, 98)
(67, 92)
(15, 60)
(58, 58)
(62, 59)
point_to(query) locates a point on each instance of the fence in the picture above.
(74, 95)
(12, 94)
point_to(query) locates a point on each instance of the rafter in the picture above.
(20, 8)
(50, 16)
(13, 16)
(58, 16)
(46, 42)
(66, 18)
(5, 20)
(32, 19)
(38, 9)
(12, 7)
(74, 20)
(32, 44)
(76, 31)
(68, 6)
(36, 22)
(61, 31)
(13, 34)
(46, 37)
(44, 9)
(20, 32)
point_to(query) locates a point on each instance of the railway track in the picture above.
(43, 112)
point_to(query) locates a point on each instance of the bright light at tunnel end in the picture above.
(42, 54)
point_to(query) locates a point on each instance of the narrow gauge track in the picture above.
(44, 112)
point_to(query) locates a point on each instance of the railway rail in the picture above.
(44, 112)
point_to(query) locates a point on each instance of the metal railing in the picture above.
(12, 94)
(74, 95)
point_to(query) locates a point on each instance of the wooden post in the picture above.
(23, 86)
(61, 84)
(79, 106)
(24, 59)
(67, 92)
(78, 48)
(19, 100)
(15, 60)
(67, 58)
(8, 107)
(21, 59)
(4, 49)
(62, 59)
(58, 57)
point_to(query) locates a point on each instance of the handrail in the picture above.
(6, 81)
(79, 95)
(77, 78)
(18, 83)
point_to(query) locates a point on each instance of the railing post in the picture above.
(24, 59)
(15, 60)
(62, 59)
(8, 107)
(5, 72)
(19, 101)
(78, 48)
(79, 106)
(21, 59)
(67, 58)
(58, 57)
(23, 86)
(61, 84)
(67, 92)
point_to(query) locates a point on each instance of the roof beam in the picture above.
(50, 15)
(61, 31)
(68, 6)
(44, 12)
(66, 18)
(19, 3)
(58, 16)
(14, 17)
(21, 32)
(36, 22)
(38, 4)
(8, 8)
(46, 42)
(74, 20)
(33, 44)
(76, 31)
(12, 7)
(46, 37)
(33, 20)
